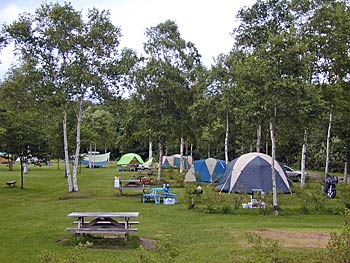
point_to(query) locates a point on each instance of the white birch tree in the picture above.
(74, 64)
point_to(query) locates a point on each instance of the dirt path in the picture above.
(310, 239)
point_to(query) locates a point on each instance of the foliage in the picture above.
(168, 249)
(266, 250)
(339, 244)
(144, 255)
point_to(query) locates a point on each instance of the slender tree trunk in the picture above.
(90, 155)
(22, 168)
(267, 148)
(226, 138)
(182, 160)
(346, 172)
(191, 150)
(328, 153)
(94, 156)
(77, 147)
(273, 151)
(160, 164)
(303, 161)
(150, 152)
(346, 165)
(258, 140)
(66, 153)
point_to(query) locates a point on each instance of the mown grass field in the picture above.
(33, 220)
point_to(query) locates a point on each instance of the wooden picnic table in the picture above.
(104, 222)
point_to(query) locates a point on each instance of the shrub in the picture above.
(338, 248)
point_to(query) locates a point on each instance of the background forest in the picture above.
(287, 74)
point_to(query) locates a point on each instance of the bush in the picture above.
(265, 250)
(338, 248)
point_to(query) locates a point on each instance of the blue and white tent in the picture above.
(253, 171)
(208, 170)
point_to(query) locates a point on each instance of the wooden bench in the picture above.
(107, 223)
(102, 230)
(11, 183)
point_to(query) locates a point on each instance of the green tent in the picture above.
(130, 158)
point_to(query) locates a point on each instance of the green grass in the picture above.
(33, 219)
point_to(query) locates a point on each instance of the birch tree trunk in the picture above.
(258, 139)
(346, 172)
(191, 150)
(182, 161)
(346, 165)
(226, 139)
(90, 155)
(22, 168)
(77, 147)
(208, 153)
(273, 153)
(66, 153)
(303, 161)
(328, 153)
(160, 163)
(150, 152)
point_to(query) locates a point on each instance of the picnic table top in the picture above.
(104, 214)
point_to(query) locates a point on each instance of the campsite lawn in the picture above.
(33, 220)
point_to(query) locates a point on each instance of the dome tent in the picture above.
(253, 171)
(208, 170)
(130, 159)
(174, 161)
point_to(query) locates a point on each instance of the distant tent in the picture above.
(130, 159)
(253, 171)
(97, 160)
(168, 162)
(174, 161)
(208, 170)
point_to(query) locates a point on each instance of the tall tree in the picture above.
(272, 42)
(165, 80)
(328, 30)
(77, 59)
(22, 122)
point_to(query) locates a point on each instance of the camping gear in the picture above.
(96, 160)
(256, 199)
(330, 187)
(253, 171)
(208, 170)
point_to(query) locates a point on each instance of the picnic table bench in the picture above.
(11, 183)
(103, 223)
(131, 184)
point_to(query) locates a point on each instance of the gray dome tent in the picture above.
(253, 171)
